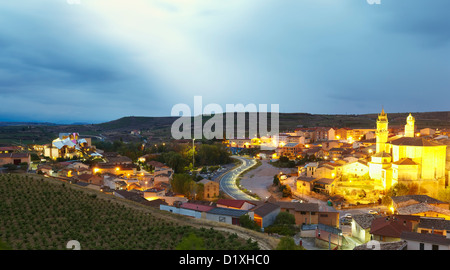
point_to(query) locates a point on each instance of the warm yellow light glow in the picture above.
(96, 170)
(392, 209)
(117, 168)
(338, 137)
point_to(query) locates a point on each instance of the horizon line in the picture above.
(68, 122)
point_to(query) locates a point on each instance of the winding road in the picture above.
(228, 180)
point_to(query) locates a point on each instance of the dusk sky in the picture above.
(99, 60)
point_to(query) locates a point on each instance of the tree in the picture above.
(284, 224)
(444, 194)
(276, 180)
(191, 242)
(246, 222)
(396, 190)
(179, 182)
(286, 190)
(174, 160)
(287, 243)
(284, 218)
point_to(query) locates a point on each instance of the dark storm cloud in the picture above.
(103, 60)
(54, 63)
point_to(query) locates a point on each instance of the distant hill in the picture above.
(6, 124)
(290, 121)
(137, 123)
(158, 128)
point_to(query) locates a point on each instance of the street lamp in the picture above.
(193, 153)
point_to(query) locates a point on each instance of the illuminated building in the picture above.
(69, 145)
(408, 159)
(409, 127)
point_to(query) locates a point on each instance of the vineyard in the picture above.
(38, 213)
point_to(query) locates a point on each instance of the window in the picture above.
(422, 246)
(435, 247)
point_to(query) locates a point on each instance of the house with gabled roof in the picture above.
(225, 215)
(426, 241)
(356, 168)
(389, 228)
(305, 185)
(326, 170)
(361, 226)
(190, 209)
(14, 158)
(235, 204)
(325, 185)
(304, 213)
(434, 226)
(210, 189)
(401, 201)
(90, 178)
(421, 205)
(425, 210)
(265, 214)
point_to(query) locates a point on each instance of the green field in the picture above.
(38, 213)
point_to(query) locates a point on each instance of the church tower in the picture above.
(409, 127)
(382, 132)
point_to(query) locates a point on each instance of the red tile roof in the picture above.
(391, 226)
(231, 203)
(196, 207)
(405, 161)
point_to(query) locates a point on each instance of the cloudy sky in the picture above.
(91, 61)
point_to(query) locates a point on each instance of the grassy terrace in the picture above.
(42, 213)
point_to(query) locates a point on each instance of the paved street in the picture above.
(228, 181)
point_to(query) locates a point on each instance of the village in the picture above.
(381, 188)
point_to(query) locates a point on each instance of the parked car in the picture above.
(345, 221)
(373, 212)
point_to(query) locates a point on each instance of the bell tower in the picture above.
(382, 132)
(409, 127)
